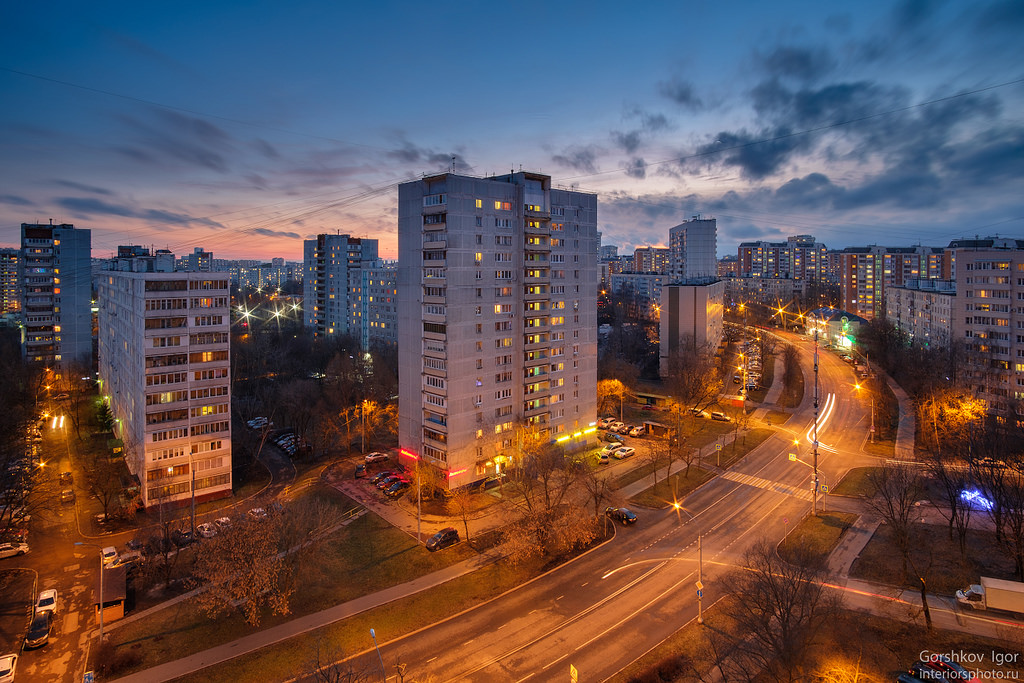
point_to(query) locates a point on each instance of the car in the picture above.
(109, 555)
(381, 476)
(222, 523)
(908, 678)
(66, 478)
(625, 452)
(736, 379)
(611, 448)
(442, 539)
(922, 672)
(623, 515)
(603, 459)
(389, 481)
(67, 496)
(360, 471)
(258, 423)
(39, 631)
(614, 426)
(624, 429)
(47, 601)
(721, 417)
(376, 456)
(637, 431)
(8, 667)
(256, 514)
(697, 412)
(182, 538)
(135, 544)
(13, 549)
(605, 422)
(397, 489)
(206, 530)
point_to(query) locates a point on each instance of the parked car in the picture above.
(386, 483)
(623, 515)
(360, 471)
(223, 523)
(182, 538)
(381, 476)
(39, 631)
(377, 457)
(442, 539)
(109, 555)
(626, 452)
(697, 412)
(258, 423)
(721, 417)
(256, 514)
(637, 431)
(132, 560)
(8, 667)
(605, 422)
(207, 530)
(603, 458)
(66, 478)
(47, 601)
(950, 669)
(614, 426)
(611, 448)
(12, 549)
(397, 489)
(67, 496)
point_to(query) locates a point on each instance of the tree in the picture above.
(780, 609)
(102, 477)
(897, 487)
(693, 375)
(460, 504)
(330, 665)
(243, 567)
(610, 395)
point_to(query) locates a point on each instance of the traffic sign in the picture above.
(824, 488)
(700, 585)
(718, 446)
(792, 456)
(88, 677)
(700, 593)
(574, 675)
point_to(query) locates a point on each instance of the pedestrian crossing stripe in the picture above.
(767, 484)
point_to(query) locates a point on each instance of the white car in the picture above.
(377, 457)
(615, 426)
(8, 665)
(12, 549)
(637, 431)
(611, 448)
(109, 555)
(206, 530)
(697, 412)
(721, 417)
(605, 422)
(222, 523)
(47, 601)
(625, 452)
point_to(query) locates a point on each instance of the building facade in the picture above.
(691, 316)
(650, 260)
(10, 283)
(799, 258)
(693, 246)
(379, 318)
(332, 283)
(164, 359)
(56, 284)
(923, 309)
(497, 287)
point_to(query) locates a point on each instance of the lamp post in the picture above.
(101, 583)
(700, 565)
(383, 671)
(814, 482)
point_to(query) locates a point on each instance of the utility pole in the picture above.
(700, 580)
(814, 481)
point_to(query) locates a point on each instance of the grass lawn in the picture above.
(817, 535)
(733, 452)
(777, 417)
(358, 559)
(877, 649)
(935, 557)
(880, 448)
(856, 483)
(661, 494)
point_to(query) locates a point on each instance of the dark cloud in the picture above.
(635, 168)
(681, 92)
(830, 104)
(409, 153)
(802, 63)
(265, 149)
(90, 207)
(993, 157)
(578, 158)
(630, 142)
(902, 187)
(814, 190)
(82, 188)
(186, 139)
(276, 233)
(14, 200)
(756, 155)
(910, 15)
(1006, 15)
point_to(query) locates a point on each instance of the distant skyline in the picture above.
(245, 128)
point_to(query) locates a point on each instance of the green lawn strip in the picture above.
(733, 452)
(661, 494)
(882, 449)
(856, 483)
(635, 474)
(362, 558)
(817, 535)
(935, 557)
(777, 417)
(351, 636)
(793, 393)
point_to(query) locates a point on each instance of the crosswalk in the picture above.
(778, 487)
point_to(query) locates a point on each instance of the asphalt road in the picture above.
(603, 611)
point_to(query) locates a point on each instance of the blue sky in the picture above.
(248, 127)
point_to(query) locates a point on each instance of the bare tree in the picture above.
(330, 665)
(780, 609)
(897, 487)
(460, 504)
(693, 375)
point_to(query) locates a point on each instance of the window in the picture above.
(434, 199)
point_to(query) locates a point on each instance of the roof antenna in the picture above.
(453, 163)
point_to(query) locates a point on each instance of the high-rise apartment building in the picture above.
(165, 369)
(650, 260)
(800, 257)
(57, 293)
(10, 291)
(866, 272)
(379, 317)
(693, 250)
(332, 285)
(497, 290)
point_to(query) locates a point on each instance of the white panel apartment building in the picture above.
(165, 368)
(497, 319)
(693, 246)
(333, 281)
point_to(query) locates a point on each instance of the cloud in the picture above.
(578, 158)
(681, 92)
(89, 207)
(409, 153)
(813, 190)
(756, 155)
(635, 168)
(913, 14)
(187, 139)
(14, 200)
(276, 233)
(630, 142)
(82, 187)
(265, 149)
(802, 63)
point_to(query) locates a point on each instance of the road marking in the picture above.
(767, 484)
(71, 568)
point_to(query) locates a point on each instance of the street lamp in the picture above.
(101, 582)
(700, 565)
(383, 671)
(871, 436)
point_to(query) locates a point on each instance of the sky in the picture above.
(246, 127)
